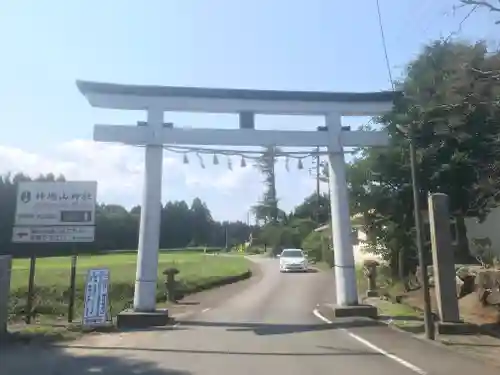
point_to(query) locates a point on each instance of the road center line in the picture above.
(375, 348)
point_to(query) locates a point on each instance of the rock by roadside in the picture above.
(484, 283)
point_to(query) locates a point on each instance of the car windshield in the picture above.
(292, 254)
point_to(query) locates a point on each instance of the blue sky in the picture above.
(265, 44)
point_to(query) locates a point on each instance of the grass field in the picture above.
(52, 279)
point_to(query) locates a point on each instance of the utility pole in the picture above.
(318, 206)
(225, 232)
(428, 318)
(274, 211)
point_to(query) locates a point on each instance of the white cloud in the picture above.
(221, 178)
(119, 172)
(118, 169)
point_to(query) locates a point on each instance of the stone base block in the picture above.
(456, 328)
(367, 311)
(140, 319)
(372, 293)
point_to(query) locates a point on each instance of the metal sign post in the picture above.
(72, 288)
(31, 290)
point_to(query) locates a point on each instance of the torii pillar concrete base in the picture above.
(138, 319)
(365, 311)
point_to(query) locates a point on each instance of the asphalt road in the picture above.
(278, 324)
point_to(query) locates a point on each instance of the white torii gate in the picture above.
(154, 135)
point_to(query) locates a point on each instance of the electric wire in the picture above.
(384, 43)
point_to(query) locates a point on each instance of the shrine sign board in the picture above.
(55, 212)
(54, 234)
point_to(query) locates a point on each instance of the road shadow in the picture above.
(309, 270)
(280, 329)
(30, 360)
(186, 303)
(327, 352)
(166, 328)
(475, 344)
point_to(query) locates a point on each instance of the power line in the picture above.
(459, 29)
(384, 43)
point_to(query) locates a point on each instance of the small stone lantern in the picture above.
(171, 292)
(370, 272)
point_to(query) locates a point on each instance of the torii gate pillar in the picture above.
(149, 228)
(345, 271)
(156, 100)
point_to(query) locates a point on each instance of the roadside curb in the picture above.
(480, 329)
(401, 330)
(437, 342)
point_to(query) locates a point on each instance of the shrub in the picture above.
(313, 246)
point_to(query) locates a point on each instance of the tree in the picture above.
(176, 230)
(455, 113)
(266, 209)
(201, 219)
(318, 249)
(277, 236)
(309, 208)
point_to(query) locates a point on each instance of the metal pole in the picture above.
(428, 319)
(273, 188)
(317, 186)
(72, 288)
(31, 289)
(225, 234)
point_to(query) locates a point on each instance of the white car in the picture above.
(293, 260)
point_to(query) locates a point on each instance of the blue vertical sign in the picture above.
(96, 297)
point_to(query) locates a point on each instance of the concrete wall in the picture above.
(358, 243)
(489, 228)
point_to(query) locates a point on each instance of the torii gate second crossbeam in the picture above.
(156, 100)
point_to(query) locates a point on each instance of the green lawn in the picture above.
(52, 279)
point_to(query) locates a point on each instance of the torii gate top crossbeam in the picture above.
(210, 100)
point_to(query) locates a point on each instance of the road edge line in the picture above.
(374, 347)
(318, 315)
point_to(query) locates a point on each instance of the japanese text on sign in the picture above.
(56, 203)
(96, 297)
(53, 196)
